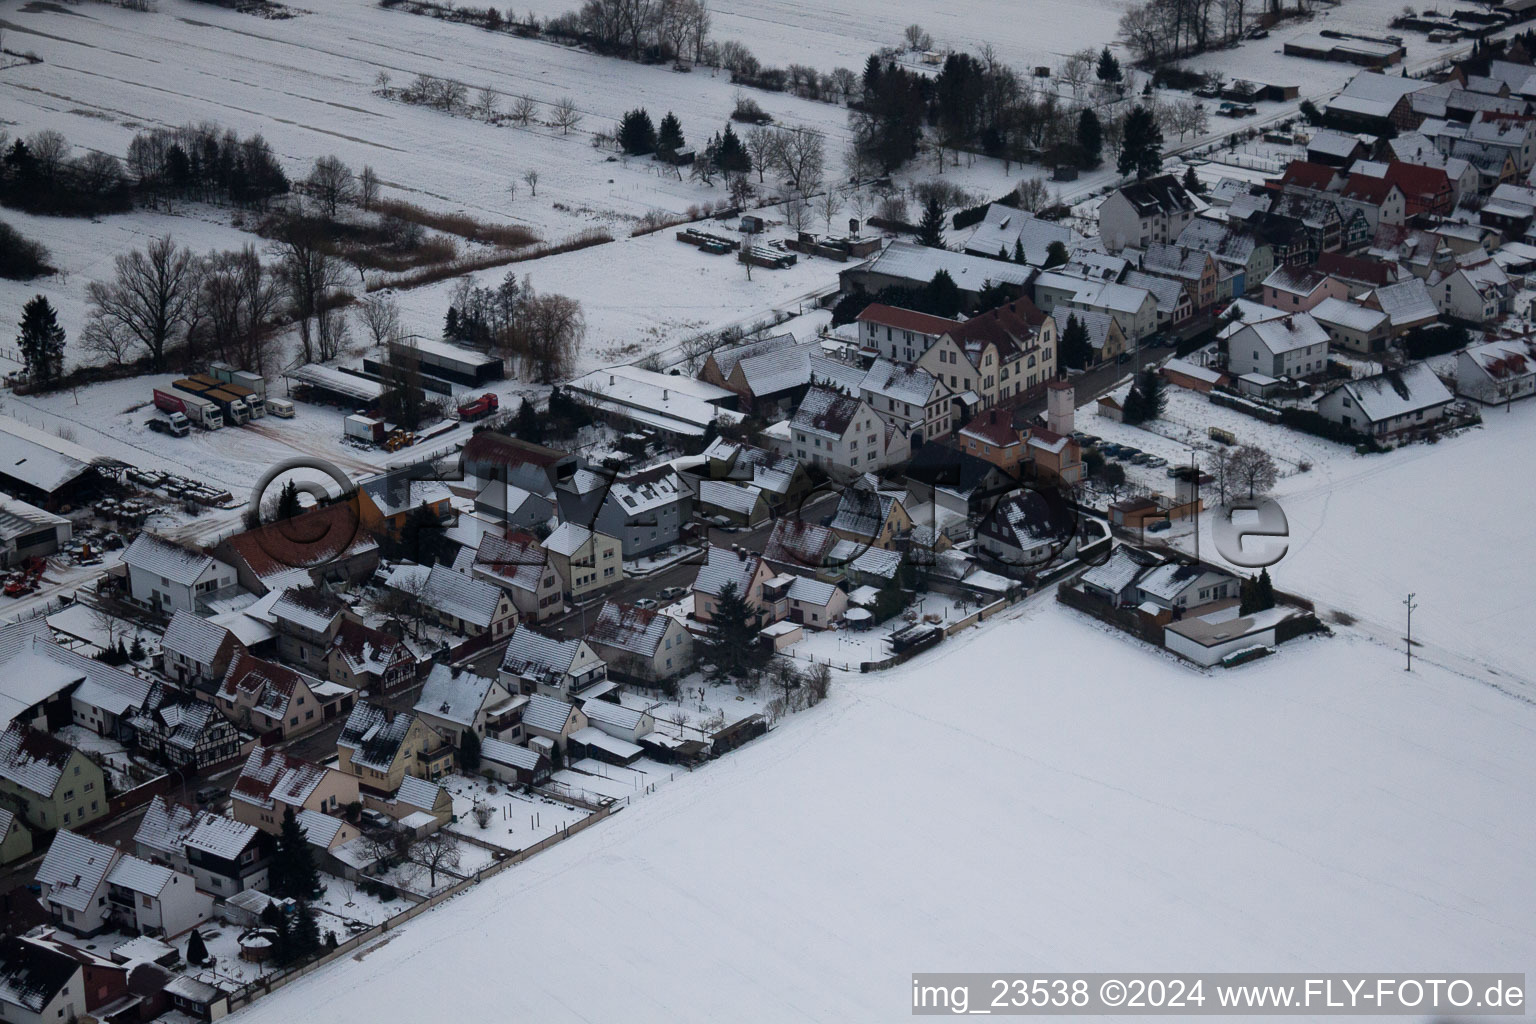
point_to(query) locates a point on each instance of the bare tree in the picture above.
(486, 102)
(367, 188)
(1077, 70)
(1253, 468)
(380, 317)
(237, 302)
(147, 300)
(762, 145)
(437, 852)
(565, 116)
(524, 110)
(381, 83)
(531, 176)
(332, 183)
(49, 150)
(917, 39)
(828, 205)
(310, 275)
(801, 154)
(797, 213)
(739, 188)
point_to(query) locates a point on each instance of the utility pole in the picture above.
(1194, 489)
(1410, 606)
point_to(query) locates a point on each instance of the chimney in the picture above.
(663, 394)
(610, 380)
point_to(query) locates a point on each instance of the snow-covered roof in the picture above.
(139, 875)
(18, 519)
(1374, 94)
(1398, 392)
(39, 459)
(826, 413)
(74, 868)
(637, 630)
(165, 826)
(500, 752)
(1169, 580)
(1288, 333)
(909, 384)
(591, 736)
(374, 735)
(567, 539)
(220, 836)
(1003, 228)
(193, 637)
(457, 696)
(418, 792)
(32, 759)
(1339, 313)
(547, 713)
(517, 561)
(400, 491)
(813, 592)
(663, 400)
(1504, 360)
(723, 567)
(609, 713)
(162, 558)
(645, 491)
(34, 973)
(1331, 143)
(912, 262)
(309, 607)
(1192, 370)
(1124, 565)
(1407, 302)
(319, 829)
(733, 497)
(269, 775)
(460, 595)
(536, 655)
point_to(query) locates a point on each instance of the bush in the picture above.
(21, 259)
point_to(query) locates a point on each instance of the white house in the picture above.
(1287, 346)
(910, 399)
(166, 577)
(1178, 587)
(155, 899)
(1497, 371)
(73, 879)
(40, 983)
(618, 721)
(839, 433)
(1389, 403)
(642, 644)
(900, 335)
(1141, 213)
(455, 701)
(1476, 292)
(537, 663)
(1352, 326)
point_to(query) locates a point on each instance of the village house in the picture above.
(872, 517)
(512, 764)
(381, 747)
(263, 696)
(900, 335)
(387, 501)
(1054, 457)
(992, 437)
(551, 720)
(641, 645)
(461, 603)
(271, 783)
(795, 546)
(1408, 304)
(519, 565)
(916, 403)
(419, 804)
(1389, 404)
(1354, 327)
(50, 784)
(1497, 371)
(1141, 213)
(1375, 103)
(1291, 346)
(73, 882)
(1023, 530)
(178, 731)
(457, 701)
(620, 722)
(1106, 340)
(15, 837)
(537, 663)
(909, 265)
(781, 478)
(1382, 200)
(1115, 580)
(516, 481)
(1243, 259)
(163, 831)
(196, 649)
(165, 577)
(1134, 309)
(40, 983)
(815, 603)
(646, 510)
(226, 856)
(1476, 291)
(735, 567)
(1177, 588)
(1007, 232)
(737, 504)
(1298, 289)
(1174, 306)
(1012, 347)
(1192, 268)
(586, 560)
(307, 619)
(839, 433)
(363, 658)
(152, 899)
(320, 545)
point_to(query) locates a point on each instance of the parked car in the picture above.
(1159, 526)
(672, 593)
(1156, 461)
(647, 603)
(209, 794)
(377, 819)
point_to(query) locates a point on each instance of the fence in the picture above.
(246, 994)
(1127, 619)
(139, 795)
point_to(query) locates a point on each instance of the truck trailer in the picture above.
(235, 410)
(192, 407)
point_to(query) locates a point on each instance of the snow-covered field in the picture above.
(1035, 794)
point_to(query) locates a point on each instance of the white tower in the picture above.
(1060, 405)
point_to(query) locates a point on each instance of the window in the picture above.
(69, 794)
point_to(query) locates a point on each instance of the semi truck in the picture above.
(364, 428)
(203, 386)
(250, 388)
(191, 407)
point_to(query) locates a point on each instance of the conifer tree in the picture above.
(41, 340)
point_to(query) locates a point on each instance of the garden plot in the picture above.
(700, 708)
(519, 819)
(124, 771)
(343, 899)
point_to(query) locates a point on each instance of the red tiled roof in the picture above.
(489, 446)
(993, 426)
(310, 539)
(1417, 180)
(1367, 189)
(906, 319)
(1354, 268)
(1305, 174)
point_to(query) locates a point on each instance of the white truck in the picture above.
(192, 408)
